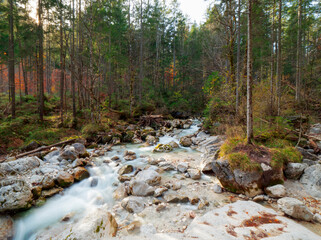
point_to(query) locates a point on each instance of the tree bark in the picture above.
(279, 59)
(272, 60)
(11, 62)
(40, 61)
(238, 66)
(249, 112)
(298, 55)
(62, 74)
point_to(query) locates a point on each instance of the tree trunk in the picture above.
(40, 61)
(238, 66)
(11, 62)
(298, 56)
(74, 121)
(249, 112)
(279, 59)
(272, 61)
(62, 77)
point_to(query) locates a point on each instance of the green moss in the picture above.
(228, 146)
(91, 130)
(239, 160)
(281, 157)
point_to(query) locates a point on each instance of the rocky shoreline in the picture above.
(165, 194)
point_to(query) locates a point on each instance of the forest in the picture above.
(135, 88)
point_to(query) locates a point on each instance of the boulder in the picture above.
(80, 173)
(194, 174)
(175, 198)
(186, 141)
(51, 155)
(217, 188)
(250, 183)
(120, 193)
(295, 208)
(309, 162)
(48, 182)
(173, 144)
(68, 154)
(133, 204)
(294, 170)
(307, 155)
(163, 148)
(20, 165)
(149, 176)
(15, 194)
(140, 188)
(51, 192)
(311, 180)
(80, 148)
(276, 191)
(315, 129)
(65, 179)
(246, 220)
(151, 140)
(6, 227)
(182, 167)
(31, 146)
(125, 169)
(166, 166)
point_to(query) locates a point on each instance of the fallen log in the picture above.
(45, 148)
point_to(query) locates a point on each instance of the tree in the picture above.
(11, 61)
(298, 56)
(249, 108)
(40, 62)
(279, 59)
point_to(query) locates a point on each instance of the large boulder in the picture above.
(68, 154)
(311, 180)
(250, 183)
(246, 220)
(15, 194)
(295, 208)
(163, 148)
(140, 188)
(20, 166)
(65, 179)
(186, 141)
(276, 191)
(6, 227)
(133, 204)
(149, 176)
(80, 173)
(294, 170)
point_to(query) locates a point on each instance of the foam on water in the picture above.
(83, 196)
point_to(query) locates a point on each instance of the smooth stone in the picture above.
(133, 204)
(295, 208)
(276, 191)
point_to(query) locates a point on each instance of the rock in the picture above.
(123, 178)
(182, 167)
(130, 157)
(79, 148)
(163, 148)
(249, 183)
(206, 164)
(133, 204)
(317, 218)
(125, 169)
(259, 198)
(176, 186)
(51, 155)
(80, 173)
(151, 140)
(20, 165)
(309, 162)
(160, 207)
(48, 182)
(120, 193)
(202, 204)
(217, 188)
(115, 158)
(129, 153)
(186, 141)
(307, 155)
(140, 188)
(175, 198)
(246, 220)
(148, 229)
(36, 192)
(166, 166)
(6, 228)
(194, 200)
(80, 162)
(51, 192)
(65, 179)
(294, 170)
(311, 180)
(276, 191)
(149, 176)
(194, 174)
(15, 194)
(295, 208)
(173, 144)
(159, 191)
(68, 154)
(315, 129)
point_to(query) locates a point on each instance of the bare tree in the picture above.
(40, 62)
(279, 59)
(298, 55)
(11, 62)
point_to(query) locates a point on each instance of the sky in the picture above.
(195, 9)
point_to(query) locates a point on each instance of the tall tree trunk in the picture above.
(279, 59)
(80, 63)
(62, 74)
(11, 62)
(238, 66)
(40, 69)
(74, 121)
(272, 60)
(141, 63)
(130, 69)
(298, 55)
(249, 112)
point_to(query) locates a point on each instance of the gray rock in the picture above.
(217, 188)
(307, 155)
(51, 192)
(173, 144)
(20, 165)
(65, 179)
(125, 169)
(194, 174)
(295, 208)
(149, 176)
(309, 162)
(311, 180)
(68, 154)
(186, 141)
(317, 218)
(182, 167)
(167, 166)
(53, 154)
(140, 188)
(175, 198)
(120, 192)
(48, 182)
(80, 173)
(15, 194)
(159, 191)
(6, 227)
(294, 170)
(79, 148)
(230, 222)
(133, 204)
(151, 140)
(276, 191)
(315, 129)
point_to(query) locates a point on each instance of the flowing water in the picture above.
(96, 190)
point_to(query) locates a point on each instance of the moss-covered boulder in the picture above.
(163, 148)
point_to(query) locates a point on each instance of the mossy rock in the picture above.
(163, 148)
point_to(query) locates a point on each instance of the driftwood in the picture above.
(45, 148)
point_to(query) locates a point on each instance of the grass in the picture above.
(283, 156)
(240, 160)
